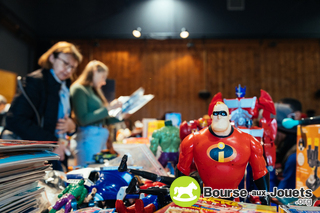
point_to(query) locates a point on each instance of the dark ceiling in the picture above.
(161, 19)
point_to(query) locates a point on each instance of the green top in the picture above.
(88, 107)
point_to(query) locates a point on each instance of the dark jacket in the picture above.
(43, 91)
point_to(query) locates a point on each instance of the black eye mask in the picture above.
(222, 113)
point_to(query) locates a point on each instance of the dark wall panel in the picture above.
(15, 55)
(175, 73)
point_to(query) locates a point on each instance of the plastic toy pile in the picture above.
(120, 186)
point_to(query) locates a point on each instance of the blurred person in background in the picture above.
(286, 141)
(3, 111)
(46, 94)
(91, 111)
(310, 113)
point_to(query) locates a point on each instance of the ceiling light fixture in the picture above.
(184, 33)
(137, 32)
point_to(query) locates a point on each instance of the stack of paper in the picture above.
(22, 165)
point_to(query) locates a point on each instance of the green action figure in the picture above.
(168, 139)
(73, 191)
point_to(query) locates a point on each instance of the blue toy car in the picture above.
(107, 181)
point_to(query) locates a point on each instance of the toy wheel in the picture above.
(106, 204)
(101, 160)
(99, 204)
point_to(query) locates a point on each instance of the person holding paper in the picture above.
(91, 111)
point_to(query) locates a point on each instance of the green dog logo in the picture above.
(185, 191)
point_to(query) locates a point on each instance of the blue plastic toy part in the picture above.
(74, 204)
(107, 182)
(288, 123)
(151, 199)
(240, 92)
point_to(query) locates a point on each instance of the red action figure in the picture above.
(244, 110)
(221, 153)
(187, 128)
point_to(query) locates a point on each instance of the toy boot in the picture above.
(149, 208)
(137, 207)
(121, 208)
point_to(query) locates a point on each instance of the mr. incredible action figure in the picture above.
(168, 139)
(73, 191)
(221, 153)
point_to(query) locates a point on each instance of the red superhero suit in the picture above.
(221, 161)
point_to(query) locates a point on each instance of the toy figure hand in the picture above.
(94, 191)
(65, 124)
(265, 200)
(90, 196)
(60, 195)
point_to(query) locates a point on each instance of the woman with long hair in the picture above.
(91, 111)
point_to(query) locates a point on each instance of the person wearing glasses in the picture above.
(221, 153)
(41, 110)
(91, 111)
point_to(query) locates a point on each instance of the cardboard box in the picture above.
(210, 205)
(307, 174)
(137, 141)
(296, 209)
(145, 122)
(154, 125)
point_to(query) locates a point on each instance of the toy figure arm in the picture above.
(154, 143)
(186, 155)
(64, 191)
(263, 183)
(256, 160)
(259, 170)
(176, 143)
(82, 196)
(184, 130)
(269, 135)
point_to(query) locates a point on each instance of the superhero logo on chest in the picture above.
(221, 152)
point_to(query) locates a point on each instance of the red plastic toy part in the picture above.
(138, 207)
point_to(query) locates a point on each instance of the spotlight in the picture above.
(137, 32)
(184, 33)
